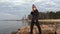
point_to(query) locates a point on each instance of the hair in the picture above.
(33, 6)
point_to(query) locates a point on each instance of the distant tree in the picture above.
(48, 15)
(41, 15)
(58, 15)
(52, 15)
(30, 16)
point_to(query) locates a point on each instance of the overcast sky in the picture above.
(16, 9)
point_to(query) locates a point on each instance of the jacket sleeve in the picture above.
(37, 12)
(31, 13)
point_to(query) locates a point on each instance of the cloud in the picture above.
(48, 5)
(15, 2)
(19, 10)
(23, 7)
(7, 16)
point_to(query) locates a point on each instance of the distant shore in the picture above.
(48, 20)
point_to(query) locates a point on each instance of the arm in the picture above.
(37, 12)
(31, 13)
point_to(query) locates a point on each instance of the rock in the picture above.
(26, 30)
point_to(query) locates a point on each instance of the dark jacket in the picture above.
(35, 15)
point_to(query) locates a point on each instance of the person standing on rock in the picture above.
(34, 20)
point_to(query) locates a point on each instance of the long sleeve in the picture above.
(35, 15)
(31, 13)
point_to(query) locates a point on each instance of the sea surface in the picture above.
(8, 27)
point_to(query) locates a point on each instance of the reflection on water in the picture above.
(10, 26)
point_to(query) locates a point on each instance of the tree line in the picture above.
(47, 15)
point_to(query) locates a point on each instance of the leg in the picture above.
(31, 27)
(55, 32)
(39, 28)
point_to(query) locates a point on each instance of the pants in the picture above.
(37, 24)
(55, 32)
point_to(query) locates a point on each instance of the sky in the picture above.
(17, 9)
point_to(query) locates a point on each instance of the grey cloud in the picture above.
(7, 16)
(25, 9)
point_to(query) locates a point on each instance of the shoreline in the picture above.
(46, 29)
(47, 20)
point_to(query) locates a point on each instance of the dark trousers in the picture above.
(55, 32)
(37, 24)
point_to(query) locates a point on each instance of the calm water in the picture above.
(10, 26)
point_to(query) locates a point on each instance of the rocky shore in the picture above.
(46, 29)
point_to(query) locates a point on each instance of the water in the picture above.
(10, 26)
